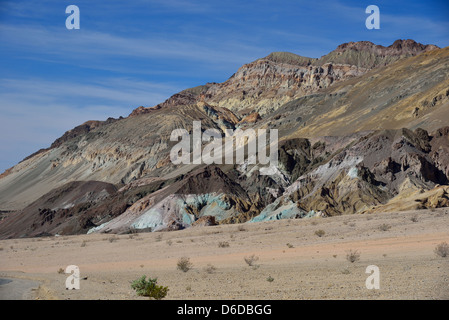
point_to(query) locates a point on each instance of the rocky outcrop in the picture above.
(205, 221)
(267, 83)
(377, 168)
(264, 85)
(251, 118)
(368, 55)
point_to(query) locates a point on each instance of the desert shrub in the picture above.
(61, 270)
(223, 244)
(414, 218)
(345, 271)
(251, 260)
(210, 268)
(289, 245)
(442, 250)
(270, 279)
(352, 256)
(384, 227)
(113, 238)
(320, 233)
(149, 288)
(184, 264)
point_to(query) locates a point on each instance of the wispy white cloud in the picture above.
(122, 91)
(57, 42)
(34, 112)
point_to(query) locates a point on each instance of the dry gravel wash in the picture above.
(301, 264)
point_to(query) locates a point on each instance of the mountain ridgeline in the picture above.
(361, 130)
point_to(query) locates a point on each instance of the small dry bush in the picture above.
(223, 244)
(184, 264)
(442, 250)
(320, 233)
(353, 256)
(250, 260)
(210, 268)
(113, 238)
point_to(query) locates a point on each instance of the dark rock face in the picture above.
(372, 171)
(59, 209)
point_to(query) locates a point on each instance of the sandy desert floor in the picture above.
(299, 263)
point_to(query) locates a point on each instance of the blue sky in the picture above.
(132, 53)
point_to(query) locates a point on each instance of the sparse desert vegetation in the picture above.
(313, 268)
(184, 264)
(113, 238)
(251, 260)
(210, 268)
(353, 256)
(442, 250)
(320, 233)
(223, 244)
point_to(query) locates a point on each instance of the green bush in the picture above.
(149, 288)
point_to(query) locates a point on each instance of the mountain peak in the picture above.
(290, 58)
(368, 55)
(411, 46)
(399, 47)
